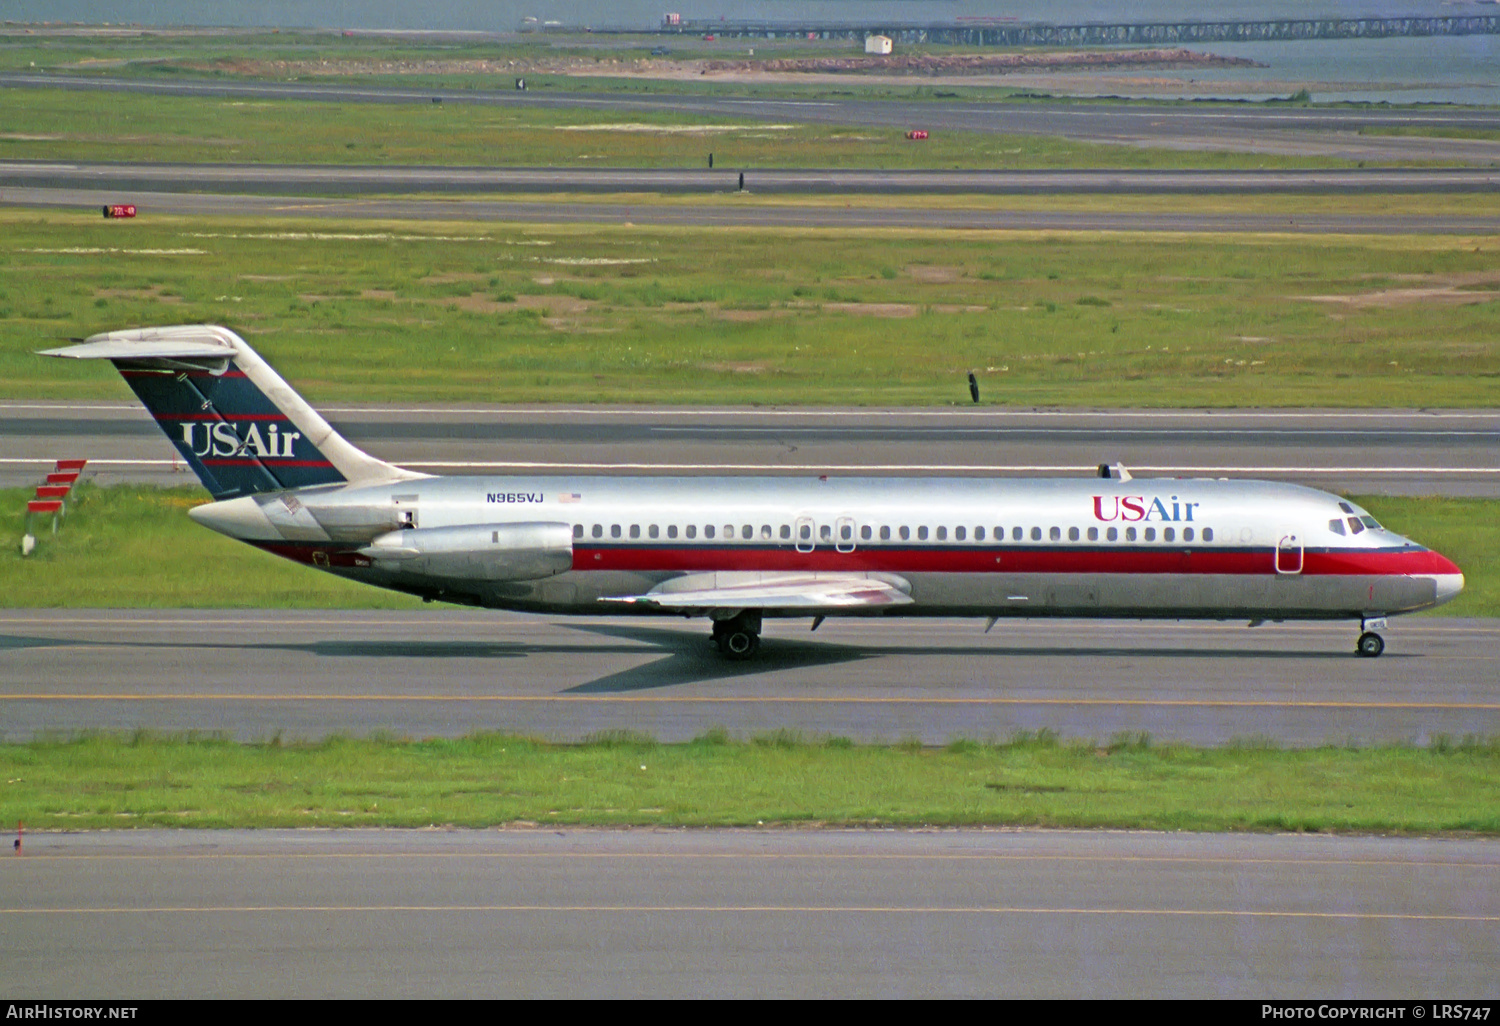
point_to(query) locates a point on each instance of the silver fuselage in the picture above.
(984, 547)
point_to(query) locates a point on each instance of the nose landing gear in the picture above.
(1370, 644)
(739, 636)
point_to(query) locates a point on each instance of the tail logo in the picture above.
(221, 439)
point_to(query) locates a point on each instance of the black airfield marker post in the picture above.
(973, 387)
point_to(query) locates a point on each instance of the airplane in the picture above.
(738, 550)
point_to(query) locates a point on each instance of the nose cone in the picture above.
(1449, 579)
(1448, 587)
(238, 518)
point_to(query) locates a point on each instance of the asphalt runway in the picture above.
(697, 215)
(253, 674)
(748, 914)
(1389, 452)
(311, 179)
(1310, 131)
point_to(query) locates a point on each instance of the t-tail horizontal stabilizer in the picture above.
(240, 427)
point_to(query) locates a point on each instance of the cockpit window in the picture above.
(1355, 527)
(1346, 507)
(1371, 523)
(1336, 526)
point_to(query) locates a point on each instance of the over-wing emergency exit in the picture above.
(739, 549)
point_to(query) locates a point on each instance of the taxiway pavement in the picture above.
(253, 674)
(748, 913)
(1394, 452)
(317, 179)
(702, 215)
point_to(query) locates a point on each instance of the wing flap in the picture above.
(750, 590)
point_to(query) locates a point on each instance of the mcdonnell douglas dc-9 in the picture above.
(739, 549)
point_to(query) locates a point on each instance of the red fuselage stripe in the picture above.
(221, 416)
(1345, 562)
(270, 461)
(1162, 560)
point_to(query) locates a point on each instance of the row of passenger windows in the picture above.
(845, 533)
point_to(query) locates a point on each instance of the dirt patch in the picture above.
(1437, 289)
(445, 279)
(988, 63)
(895, 66)
(875, 309)
(152, 294)
(378, 294)
(735, 368)
(556, 306)
(1442, 295)
(475, 302)
(957, 308)
(747, 316)
(933, 274)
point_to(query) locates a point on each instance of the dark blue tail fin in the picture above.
(234, 420)
(234, 438)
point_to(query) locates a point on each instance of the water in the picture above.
(1446, 69)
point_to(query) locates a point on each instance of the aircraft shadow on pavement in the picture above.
(776, 653)
(692, 658)
(676, 657)
(17, 641)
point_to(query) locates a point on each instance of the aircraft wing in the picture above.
(756, 590)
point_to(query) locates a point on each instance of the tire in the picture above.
(738, 645)
(1370, 645)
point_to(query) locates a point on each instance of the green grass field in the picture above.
(109, 554)
(435, 312)
(98, 782)
(60, 124)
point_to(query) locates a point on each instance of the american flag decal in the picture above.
(569, 497)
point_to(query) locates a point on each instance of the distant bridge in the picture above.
(979, 32)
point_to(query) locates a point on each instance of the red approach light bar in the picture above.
(67, 478)
(52, 491)
(74, 465)
(44, 506)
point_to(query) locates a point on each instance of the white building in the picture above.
(878, 44)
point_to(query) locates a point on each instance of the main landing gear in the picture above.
(1370, 644)
(739, 636)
